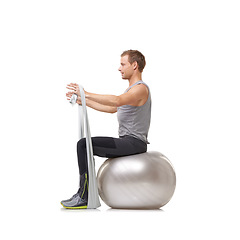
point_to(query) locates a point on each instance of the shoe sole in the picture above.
(80, 207)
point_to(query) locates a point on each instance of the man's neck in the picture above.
(135, 78)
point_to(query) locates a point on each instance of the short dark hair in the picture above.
(135, 55)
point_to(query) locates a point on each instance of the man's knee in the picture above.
(81, 144)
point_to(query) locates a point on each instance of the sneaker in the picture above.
(76, 202)
(70, 199)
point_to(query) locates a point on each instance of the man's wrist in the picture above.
(87, 94)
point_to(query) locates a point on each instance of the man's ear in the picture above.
(135, 65)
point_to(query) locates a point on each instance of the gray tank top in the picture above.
(135, 120)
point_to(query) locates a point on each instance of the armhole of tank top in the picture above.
(138, 83)
(147, 89)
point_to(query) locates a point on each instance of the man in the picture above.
(133, 109)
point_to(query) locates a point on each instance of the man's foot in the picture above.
(70, 199)
(75, 202)
(80, 199)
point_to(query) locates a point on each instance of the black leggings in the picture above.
(109, 147)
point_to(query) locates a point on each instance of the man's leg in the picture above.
(110, 148)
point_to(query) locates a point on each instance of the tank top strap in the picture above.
(136, 83)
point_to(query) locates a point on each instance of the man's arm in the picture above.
(100, 107)
(92, 104)
(134, 96)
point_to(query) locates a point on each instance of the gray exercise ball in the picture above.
(141, 181)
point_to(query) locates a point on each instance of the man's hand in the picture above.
(69, 95)
(74, 88)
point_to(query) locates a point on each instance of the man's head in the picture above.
(131, 62)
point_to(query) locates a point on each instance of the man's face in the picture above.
(126, 68)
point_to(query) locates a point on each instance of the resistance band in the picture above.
(84, 128)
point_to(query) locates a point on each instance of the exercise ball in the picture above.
(141, 181)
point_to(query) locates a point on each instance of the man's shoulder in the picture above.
(141, 87)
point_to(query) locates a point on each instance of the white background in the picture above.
(193, 56)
